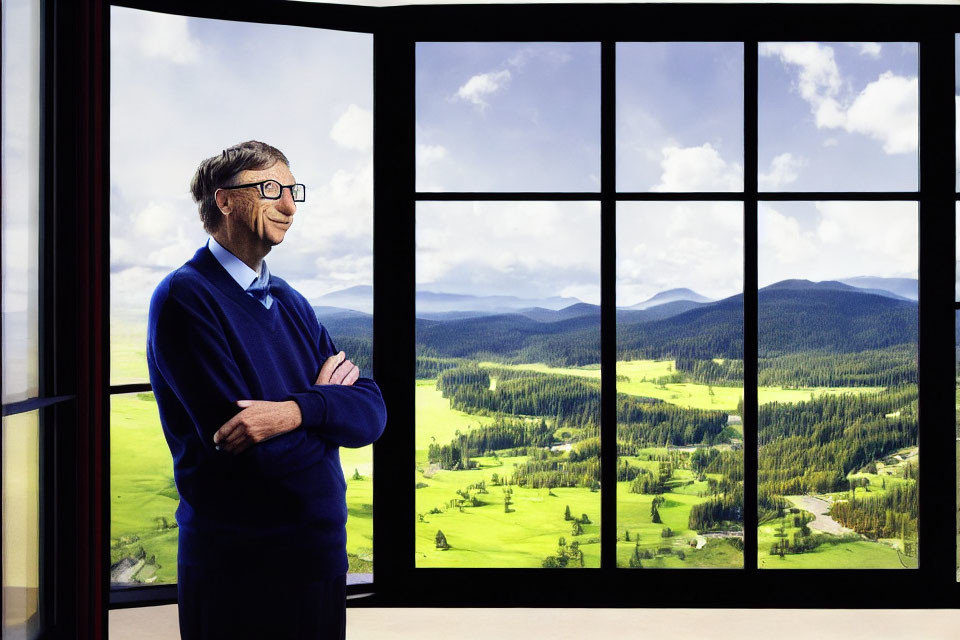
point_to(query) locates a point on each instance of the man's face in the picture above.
(261, 220)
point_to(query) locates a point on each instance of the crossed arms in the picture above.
(262, 419)
(191, 355)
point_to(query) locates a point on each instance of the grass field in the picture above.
(486, 536)
(436, 421)
(862, 554)
(643, 375)
(633, 516)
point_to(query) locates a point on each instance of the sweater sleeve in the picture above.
(346, 415)
(193, 356)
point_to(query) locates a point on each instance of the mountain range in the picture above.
(794, 316)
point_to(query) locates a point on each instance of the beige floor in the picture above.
(160, 623)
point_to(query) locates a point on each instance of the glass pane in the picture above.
(956, 71)
(21, 193)
(21, 525)
(680, 385)
(839, 456)
(838, 116)
(680, 116)
(162, 100)
(508, 116)
(508, 385)
(143, 495)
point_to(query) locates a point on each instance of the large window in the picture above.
(657, 286)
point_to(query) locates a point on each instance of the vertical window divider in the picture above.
(750, 305)
(608, 308)
(394, 262)
(937, 197)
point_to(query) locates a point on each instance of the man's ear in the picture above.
(223, 201)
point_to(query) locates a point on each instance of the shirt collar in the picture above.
(238, 270)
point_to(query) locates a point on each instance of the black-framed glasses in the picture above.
(273, 190)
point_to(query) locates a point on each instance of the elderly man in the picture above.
(255, 401)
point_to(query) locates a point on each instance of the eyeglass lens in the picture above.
(273, 189)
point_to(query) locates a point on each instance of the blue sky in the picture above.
(492, 117)
(182, 89)
(508, 116)
(838, 116)
(680, 116)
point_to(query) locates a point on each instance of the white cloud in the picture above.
(488, 248)
(784, 170)
(697, 169)
(867, 49)
(830, 240)
(666, 245)
(156, 35)
(547, 54)
(819, 78)
(154, 221)
(354, 129)
(885, 110)
(430, 153)
(482, 85)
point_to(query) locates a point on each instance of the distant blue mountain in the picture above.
(836, 285)
(670, 295)
(903, 287)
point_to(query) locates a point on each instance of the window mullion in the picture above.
(608, 317)
(394, 353)
(750, 304)
(937, 123)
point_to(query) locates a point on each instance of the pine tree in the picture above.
(441, 540)
(566, 514)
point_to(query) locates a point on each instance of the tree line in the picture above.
(811, 447)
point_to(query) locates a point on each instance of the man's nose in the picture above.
(286, 203)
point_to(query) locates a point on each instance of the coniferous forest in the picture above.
(837, 431)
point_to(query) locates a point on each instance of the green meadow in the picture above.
(859, 554)
(851, 553)
(436, 421)
(643, 375)
(486, 535)
(679, 549)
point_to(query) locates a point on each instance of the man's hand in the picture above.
(260, 420)
(338, 370)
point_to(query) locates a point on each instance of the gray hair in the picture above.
(221, 170)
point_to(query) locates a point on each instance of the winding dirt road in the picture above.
(819, 508)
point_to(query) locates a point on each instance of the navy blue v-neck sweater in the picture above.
(210, 344)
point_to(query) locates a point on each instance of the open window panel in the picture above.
(161, 66)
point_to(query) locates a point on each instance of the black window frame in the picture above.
(75, 253)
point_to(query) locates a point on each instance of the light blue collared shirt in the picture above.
(237, 268)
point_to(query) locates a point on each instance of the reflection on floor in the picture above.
(160, 623)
